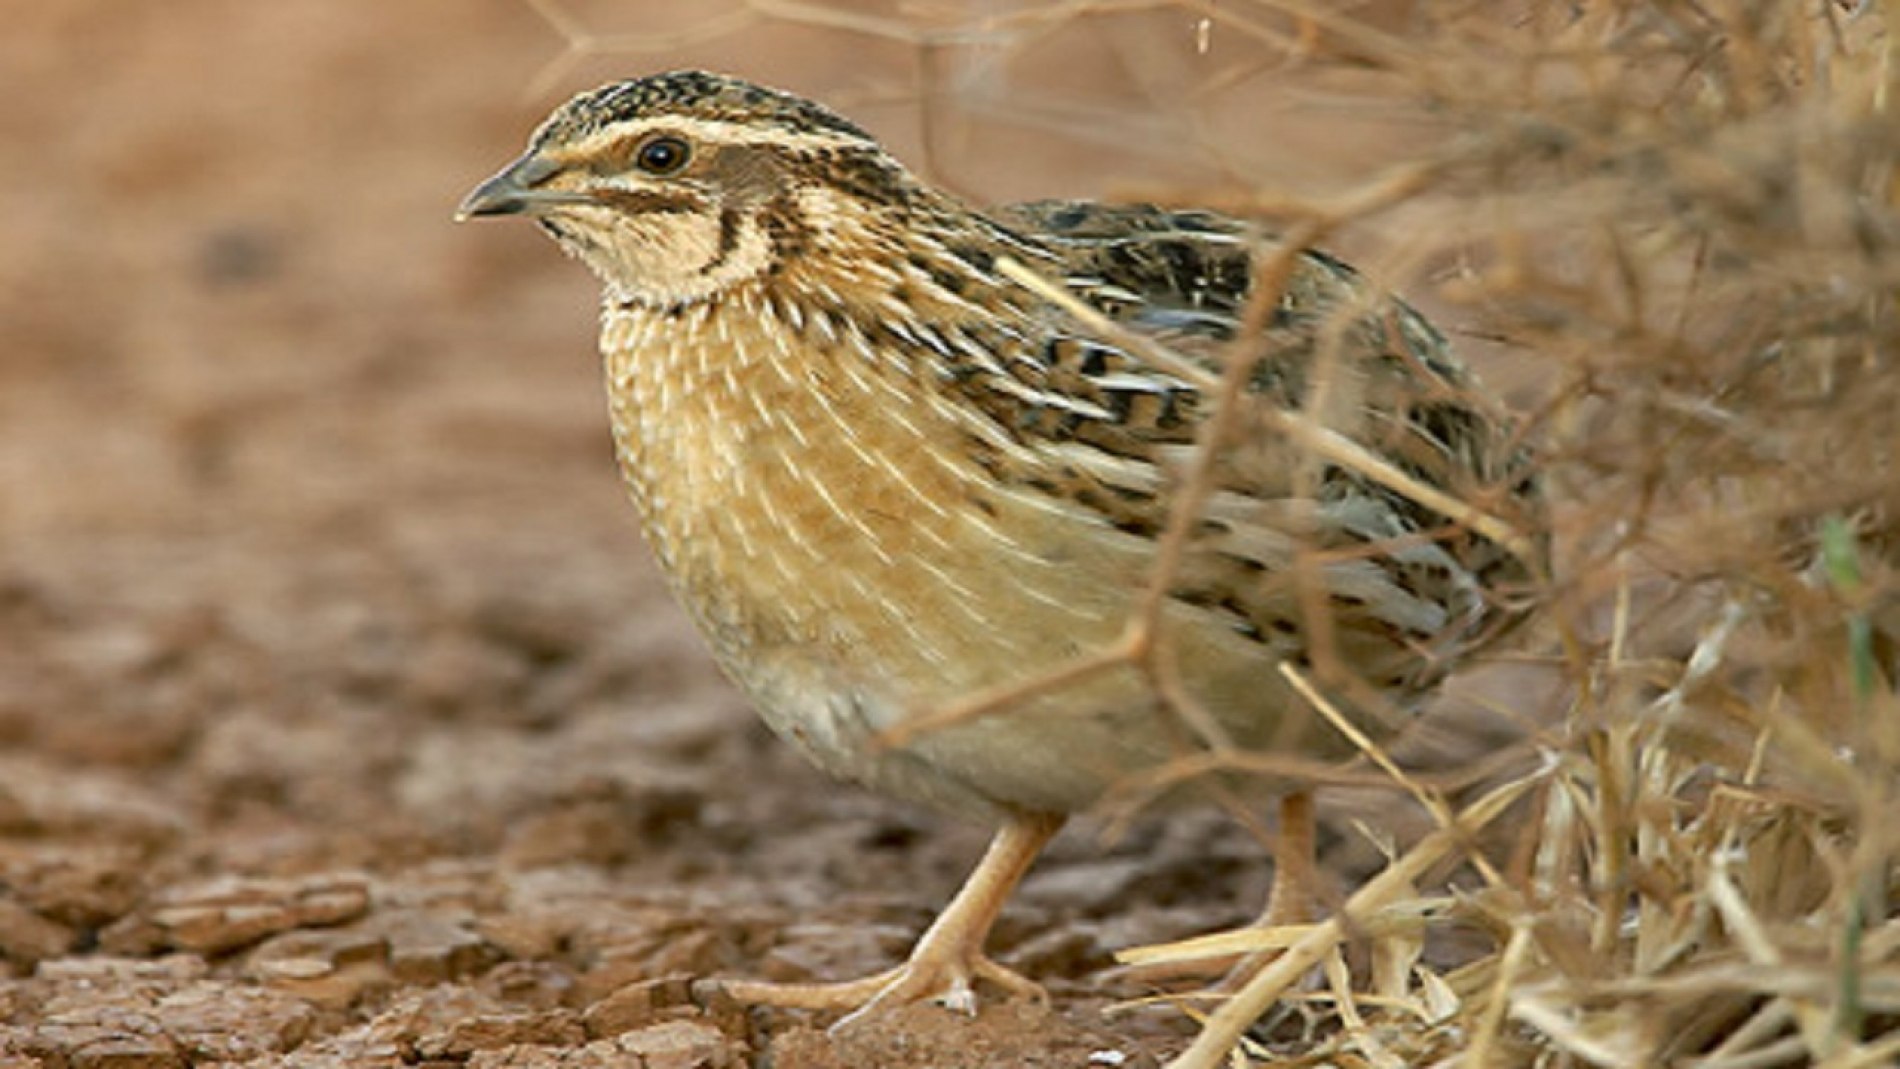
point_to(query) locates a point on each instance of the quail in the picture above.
(883, 469)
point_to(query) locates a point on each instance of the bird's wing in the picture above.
(1409, 589)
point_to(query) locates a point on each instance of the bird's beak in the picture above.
(514, 190)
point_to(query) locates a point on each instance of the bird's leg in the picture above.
(1290, 900)
(1295, 868)
(949, 958)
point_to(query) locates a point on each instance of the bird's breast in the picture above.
(808, 491)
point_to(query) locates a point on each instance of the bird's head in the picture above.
(677, 187)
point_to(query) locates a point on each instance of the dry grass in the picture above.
(1681, 216)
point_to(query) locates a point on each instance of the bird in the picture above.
(892, 450)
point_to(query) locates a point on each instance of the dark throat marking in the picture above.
(728, 240)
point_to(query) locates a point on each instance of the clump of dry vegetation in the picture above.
(1684, 216)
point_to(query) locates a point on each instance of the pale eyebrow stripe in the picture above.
(711, 131)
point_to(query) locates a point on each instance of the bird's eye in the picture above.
(662, 155)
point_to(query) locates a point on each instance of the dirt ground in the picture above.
(343, 720)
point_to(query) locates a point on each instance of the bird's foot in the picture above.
(949, 958)
(948, 979)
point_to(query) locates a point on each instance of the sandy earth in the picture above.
(343, 720)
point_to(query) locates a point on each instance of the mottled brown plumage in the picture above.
(882, 476)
